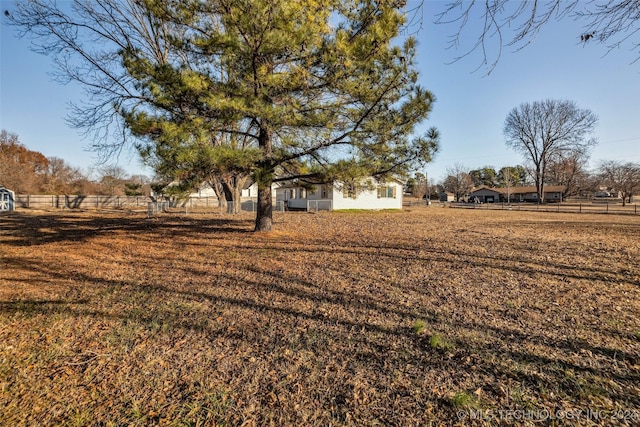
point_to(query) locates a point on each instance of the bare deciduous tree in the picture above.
(545, 130)
(61, 178)
(85, 40)
(21, 170)
(113, 179)
(458, 181)
(569, 171)
(623, 177)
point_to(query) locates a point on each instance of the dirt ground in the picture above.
(427, 316)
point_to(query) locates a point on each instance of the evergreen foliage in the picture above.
(228, 91)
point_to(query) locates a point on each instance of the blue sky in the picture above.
(469, 111)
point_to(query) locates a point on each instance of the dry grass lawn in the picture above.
(410, 318)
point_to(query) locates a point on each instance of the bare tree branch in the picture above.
(516, 24)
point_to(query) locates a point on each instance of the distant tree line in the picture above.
(622, 178)
(30, 172)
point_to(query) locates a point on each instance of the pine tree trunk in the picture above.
(237, 194)
(264, 179)
(264, 214)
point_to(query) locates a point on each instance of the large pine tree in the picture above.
(267, 89)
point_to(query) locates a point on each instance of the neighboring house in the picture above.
(605, 192)
(552, 193)
(7, 199)
(337, 196)
(484, 194)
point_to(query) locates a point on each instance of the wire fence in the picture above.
(252, 205)
(593, 207)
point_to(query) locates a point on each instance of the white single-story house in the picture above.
(7, 199)
(250, 190)
(484, 194)
(337, 196)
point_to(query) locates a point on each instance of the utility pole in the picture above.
(427, 189)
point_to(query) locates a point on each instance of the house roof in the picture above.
(521, 190)
(532, 189)
(485, 187)
(292, 183)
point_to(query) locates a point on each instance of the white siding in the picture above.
(298, 197)
(252, 191)
(204, 191)
(368, 199)
(319, 192)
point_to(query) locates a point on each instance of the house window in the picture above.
(387, 192)
(324, 192)
(349, 191)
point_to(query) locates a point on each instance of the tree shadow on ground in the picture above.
(38, 229)
(374, 344)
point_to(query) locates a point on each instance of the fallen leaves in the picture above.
(341, 319)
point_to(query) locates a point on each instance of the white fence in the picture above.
(319, 205)
(309, 205)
